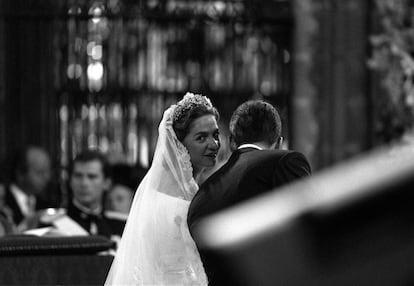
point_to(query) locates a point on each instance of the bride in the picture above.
(156, 247)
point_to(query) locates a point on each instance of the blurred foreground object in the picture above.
(75, 260)
(15, 245)
(352, 224)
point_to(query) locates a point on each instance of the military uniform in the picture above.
(96, 223)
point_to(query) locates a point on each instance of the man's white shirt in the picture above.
(25, 202)
(250, 146)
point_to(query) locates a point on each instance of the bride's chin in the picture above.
(212, 163)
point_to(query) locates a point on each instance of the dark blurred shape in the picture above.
(127, 175)
(74, 260)
(125, 180)
(63, 245)
(352, 224)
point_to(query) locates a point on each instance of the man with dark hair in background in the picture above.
(30, 178)
(256, 166)
(89, 181)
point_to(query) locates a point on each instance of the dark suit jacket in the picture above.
(17, 214)
(105, 226)
(248, 172)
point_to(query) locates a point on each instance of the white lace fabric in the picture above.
(156, 247)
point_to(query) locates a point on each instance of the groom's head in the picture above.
(255, 121)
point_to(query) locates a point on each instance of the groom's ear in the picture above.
(279, 143)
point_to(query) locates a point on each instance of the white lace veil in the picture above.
(156, 247)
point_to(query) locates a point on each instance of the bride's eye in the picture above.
(201, 138)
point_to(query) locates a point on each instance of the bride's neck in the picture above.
(197, 173)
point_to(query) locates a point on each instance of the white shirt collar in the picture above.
(23, 199)
(250, 146)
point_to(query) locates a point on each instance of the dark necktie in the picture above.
(92, 220)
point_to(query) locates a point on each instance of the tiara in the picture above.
(190, 101)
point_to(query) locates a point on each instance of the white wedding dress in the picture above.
(156, 247)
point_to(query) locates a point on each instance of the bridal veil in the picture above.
(156, 247)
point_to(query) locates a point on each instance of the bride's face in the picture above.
(202, 142)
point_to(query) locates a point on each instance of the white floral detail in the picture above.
(192, 185)
(181, 150)
(183, 155)
(178, 220)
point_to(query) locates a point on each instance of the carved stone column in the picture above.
(330, 103)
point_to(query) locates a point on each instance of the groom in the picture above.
(256, 166)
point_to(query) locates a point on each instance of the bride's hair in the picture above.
(188, 109)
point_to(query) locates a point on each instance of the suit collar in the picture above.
(235, 155)
(83, 209)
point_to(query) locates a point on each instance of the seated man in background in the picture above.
(89, 180)
(26, 192)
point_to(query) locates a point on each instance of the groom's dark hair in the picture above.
(93, 155)
(255, 121)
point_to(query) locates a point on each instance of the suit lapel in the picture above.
(12, 203)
